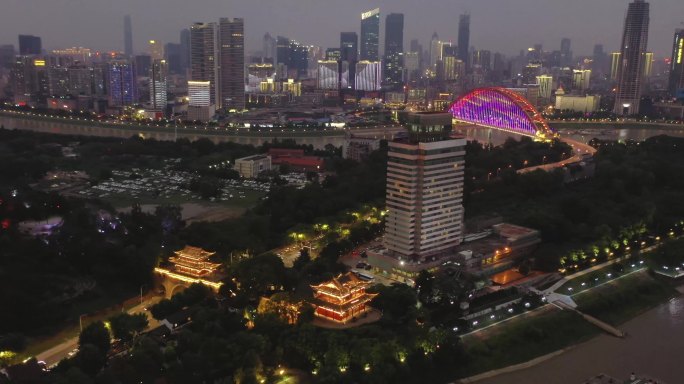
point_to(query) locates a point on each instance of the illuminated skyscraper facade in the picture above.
(123, 88)
(158, 85)
(630, 69)
(370, 35)
(231, 64)
(203, 56)
(394, 49)
(676, 83)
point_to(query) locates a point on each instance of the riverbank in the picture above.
(521, 351)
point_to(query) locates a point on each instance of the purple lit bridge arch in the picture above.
(502, 109)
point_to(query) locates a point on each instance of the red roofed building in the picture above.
(342, 298)
(296, 159)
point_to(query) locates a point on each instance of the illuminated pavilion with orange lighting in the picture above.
(192, 265)
(342, 299)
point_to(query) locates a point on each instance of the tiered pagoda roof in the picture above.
(193, 261)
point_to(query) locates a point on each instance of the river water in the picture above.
(654, 347)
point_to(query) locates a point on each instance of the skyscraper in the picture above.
(30, 45)
(184, 50)
(615, 59)
(232, 64)
(269, 51)
(394, 49)
(155, 49)
(349, 45)
(122, 87)
(464, 39)
(676, 84)
(435, 51)
(630, 69)
(370, 35)
(565, 53)
(158, 85)
(424, 189)
(128, 36)
(203, 57)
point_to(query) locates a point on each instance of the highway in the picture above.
(578, 149)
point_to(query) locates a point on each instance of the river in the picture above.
(654, 347)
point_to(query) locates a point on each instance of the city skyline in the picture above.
(601, 22)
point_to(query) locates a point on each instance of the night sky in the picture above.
(498, 25)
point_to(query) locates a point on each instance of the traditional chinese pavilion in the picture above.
(193, 261)
(342, 298)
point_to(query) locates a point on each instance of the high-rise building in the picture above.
(615, 58)
(6, 56)
(334, 54)
(128, 36)
(158, 85)
(412, 65)
(435, 51)
(424, 189)
(394, 49)
(633, 48)
(122, 85)
(30, 45)
(231, 64)
(483, 59)
(581, 79)
(599, 60)
(545, 84)
(204, 57)
(647, 69)
(172, 55)
(349, 46)
(269, 50)
(155, 49)
(332, 74)
(142, 65)
(530, 73)
(368, 76)
(81, 80)
(464, 39)
(676, 83)
(185, 50)
(370, 35)
(565, 53)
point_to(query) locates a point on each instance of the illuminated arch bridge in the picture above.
(502, 109)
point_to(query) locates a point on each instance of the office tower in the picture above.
(333, 54)
(6, 56)
(412, 66)
(545, 84)
(232, 64)
(203, 57)
(142, 65)
(435, 51)
(614, 65)
(299, 60)
(172, 55)
(329, 76)
(581, 79)
(676, 83)
(370, 35)
(349, 46)
(184, 50)
(80, 80)
(155, 50)
(482, 59)
(269, 52)
(452, 68)
(282, 50)
(647, 69)
(565, 53)
(128, 36)
(122, 85)
(58, 81)
(424, 189)
(30, 45)
(599, 60)
(530, 73)
(158, 85)
(199, 93)
(464, 39)
(394, 49)
(629, 74)
(73, 55)
(368, 76)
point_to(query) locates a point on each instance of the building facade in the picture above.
(342, 299)
(394, 50)
(370, 35)
(464, 39)
(425, 189)
(251, 166)
(632, 50)
(231, 64)
(676, 83)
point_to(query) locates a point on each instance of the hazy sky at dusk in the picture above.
(499, 25)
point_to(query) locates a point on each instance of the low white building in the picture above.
(249, 167)
(586, 104)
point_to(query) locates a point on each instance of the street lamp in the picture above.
(80, 321)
